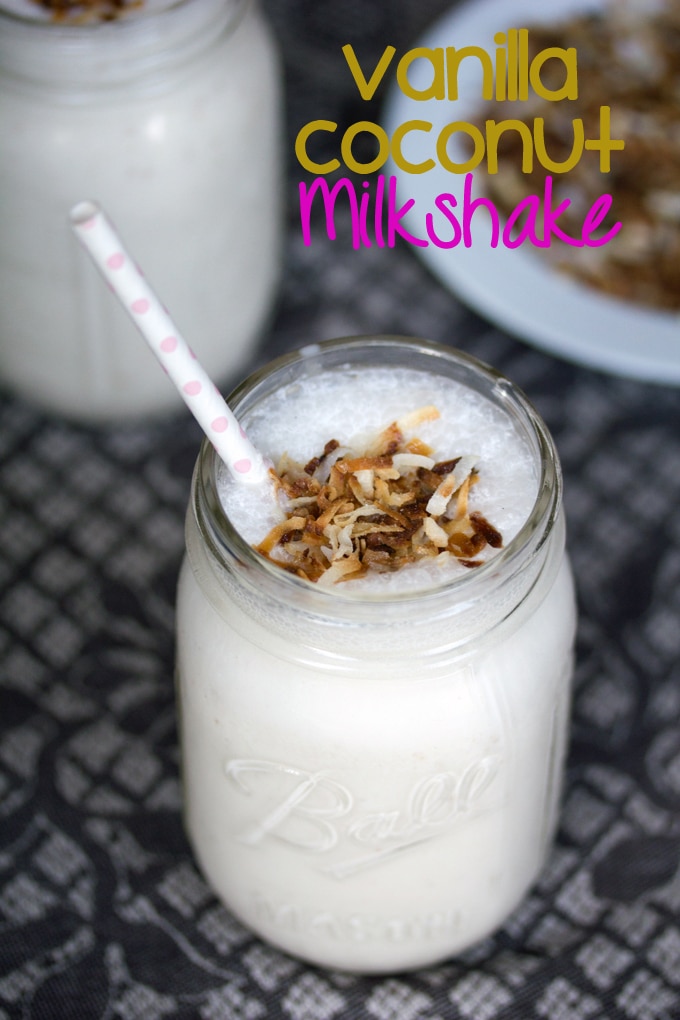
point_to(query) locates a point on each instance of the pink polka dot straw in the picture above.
(99, 238)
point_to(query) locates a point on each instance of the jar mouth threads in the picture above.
(388, 350)
(482, 594)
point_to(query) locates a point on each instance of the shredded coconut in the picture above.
(348, 511)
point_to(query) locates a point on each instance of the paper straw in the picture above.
(99, 238)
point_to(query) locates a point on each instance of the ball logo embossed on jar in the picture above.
(316, 813)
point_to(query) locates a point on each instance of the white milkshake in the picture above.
(169, 116)
(372, 768)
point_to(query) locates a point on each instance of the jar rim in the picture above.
(134, 16)
(69, 55)
(233, 552)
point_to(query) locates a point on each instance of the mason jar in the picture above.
(169, 116)
(372, 775)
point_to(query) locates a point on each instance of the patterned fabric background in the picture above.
(103, 913)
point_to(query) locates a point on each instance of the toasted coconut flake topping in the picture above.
(85, 11)
(348, 512)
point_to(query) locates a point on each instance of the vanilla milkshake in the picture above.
(372, 767)
(168, 114)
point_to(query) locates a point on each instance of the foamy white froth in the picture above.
(353, 406)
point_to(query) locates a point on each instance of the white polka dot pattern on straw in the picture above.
(98, 236)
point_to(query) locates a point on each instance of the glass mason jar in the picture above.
(372, 781)
(169, 116)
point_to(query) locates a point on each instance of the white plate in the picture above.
(515, 288)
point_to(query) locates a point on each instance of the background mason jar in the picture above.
(169, 116)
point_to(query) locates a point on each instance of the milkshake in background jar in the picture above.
(169, 114)
(372, 768)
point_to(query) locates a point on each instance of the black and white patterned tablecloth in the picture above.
(103, 913)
